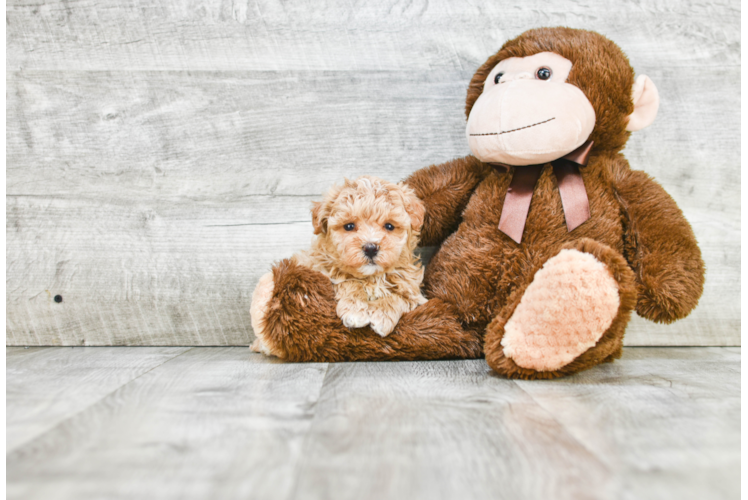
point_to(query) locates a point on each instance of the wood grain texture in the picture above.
(223, 136)
(212, 423)
(744, 416)
(673, 411)
(13, 354)
(440, 430)
(341, 34)
(160, 156)
(225, 423)
(160, 273)
(44, 388)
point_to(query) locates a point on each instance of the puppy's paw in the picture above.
(355, 319)
(383, 323)
(419, 300)
(353, 314)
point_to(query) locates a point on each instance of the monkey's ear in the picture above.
(646, 103)
(319, 217)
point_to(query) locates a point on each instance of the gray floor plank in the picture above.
(15, 354)
(212, 423)
(666, 419)
(48, 385)
(223, 423)
(445, 430)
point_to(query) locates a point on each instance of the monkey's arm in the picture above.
(445, 190)
(661, 248)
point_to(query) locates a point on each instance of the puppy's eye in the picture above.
(350, 226)
(497, 77)
(543, 73)
(389, 227)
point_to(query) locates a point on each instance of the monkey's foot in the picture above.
(566, 309)
(258, 310)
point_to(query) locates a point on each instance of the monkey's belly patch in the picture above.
(571, 302)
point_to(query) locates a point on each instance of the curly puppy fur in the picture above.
(367, 231)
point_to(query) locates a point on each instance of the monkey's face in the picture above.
(528, 113)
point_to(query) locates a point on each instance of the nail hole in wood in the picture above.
(58, 298)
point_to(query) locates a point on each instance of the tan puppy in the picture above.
(367, 230)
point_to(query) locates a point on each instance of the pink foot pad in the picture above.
(568, 306)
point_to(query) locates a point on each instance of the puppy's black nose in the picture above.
(370, 250)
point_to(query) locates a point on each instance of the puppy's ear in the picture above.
(414, 207)
(319, 217)
(321, 209)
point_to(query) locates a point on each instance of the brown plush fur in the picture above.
(599, 68)
(478, 276)
(607, 348)
(301, 324)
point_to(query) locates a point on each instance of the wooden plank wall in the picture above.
(162, 154)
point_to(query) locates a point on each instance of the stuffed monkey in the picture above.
(547, 239)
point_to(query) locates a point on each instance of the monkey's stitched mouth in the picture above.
(515, 129)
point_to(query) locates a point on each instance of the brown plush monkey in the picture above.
(548, 239)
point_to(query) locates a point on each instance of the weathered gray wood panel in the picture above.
(660, 423)
(347, 35)
(159, 273)
(131, 127)
(206, 136)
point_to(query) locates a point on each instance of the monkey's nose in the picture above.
(371, 249)
(517, 76)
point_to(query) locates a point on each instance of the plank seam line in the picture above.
(41, 348)
(594, 455)
(82, 410)
(84, 197)
(299, 469)
(260, 223)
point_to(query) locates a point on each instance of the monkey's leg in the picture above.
(294, 318)
(569, 317)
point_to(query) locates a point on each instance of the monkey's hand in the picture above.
(661, 248)
(445, 190)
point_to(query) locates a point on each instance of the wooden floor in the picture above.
(223, 423)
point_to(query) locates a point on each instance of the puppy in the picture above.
(367, 231)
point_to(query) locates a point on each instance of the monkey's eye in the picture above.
(497, 77)
(543, 73)
(389, 227)
(350, 226)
